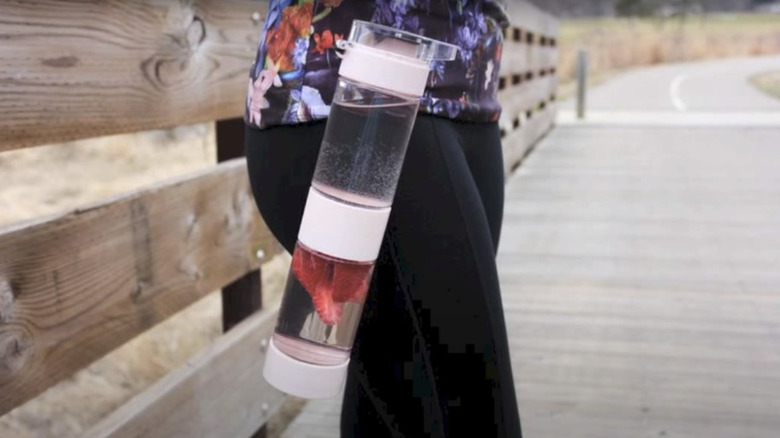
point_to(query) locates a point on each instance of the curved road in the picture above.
(710, 86)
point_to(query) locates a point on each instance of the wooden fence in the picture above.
(75, 286)
(528, 80)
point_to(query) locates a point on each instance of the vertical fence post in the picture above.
(582, 82)
(243, 297)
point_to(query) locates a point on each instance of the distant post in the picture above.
(582, 82)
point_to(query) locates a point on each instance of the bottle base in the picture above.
(310, 352)
(302, 379)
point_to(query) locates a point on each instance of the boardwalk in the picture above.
(641, 272)
(640, 265)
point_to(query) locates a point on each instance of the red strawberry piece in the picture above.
(329, 311)
(350, 282)
(309, 269)
(315, 273)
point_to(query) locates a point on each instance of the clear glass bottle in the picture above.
(382, 76)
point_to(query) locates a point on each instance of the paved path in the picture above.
(640, 266)
(712, 86)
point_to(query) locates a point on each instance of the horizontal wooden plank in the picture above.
(516, 101)
(81, 284)
(519, 141)
(77, 69)
(530, 18)
(219, 393)
(547, 57)
(536, 60)
(524, 15)
(516, 58)
(522, 58)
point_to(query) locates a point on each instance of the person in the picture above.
(431, 356)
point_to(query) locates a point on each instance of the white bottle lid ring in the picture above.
(341, 230)
(391, 59)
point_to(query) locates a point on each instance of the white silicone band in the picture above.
(342, 230)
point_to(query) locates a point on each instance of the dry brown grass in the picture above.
(56, 178)
(617, 44)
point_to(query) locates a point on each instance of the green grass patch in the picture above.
(768, 82)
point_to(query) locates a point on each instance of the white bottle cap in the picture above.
(391, 59)
(341, 230)
(373, 67)
(302, 379)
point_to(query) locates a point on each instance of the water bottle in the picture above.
(383, 73)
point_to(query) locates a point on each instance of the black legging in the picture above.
(431, 356)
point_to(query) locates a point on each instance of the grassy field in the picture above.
(768, 82)
(53, 179)
(618, 44)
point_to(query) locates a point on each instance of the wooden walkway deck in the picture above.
(641, 281)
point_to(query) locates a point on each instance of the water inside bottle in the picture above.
(321, 308)
(359, 163)
(364, 146)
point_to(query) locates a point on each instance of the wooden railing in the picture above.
(76, 286)
(528, 80)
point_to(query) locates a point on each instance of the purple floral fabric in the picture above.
(294, 76)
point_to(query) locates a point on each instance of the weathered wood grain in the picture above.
(77, 69)
(219, 393)
(83, 283)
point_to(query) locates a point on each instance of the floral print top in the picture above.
(294, 76)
